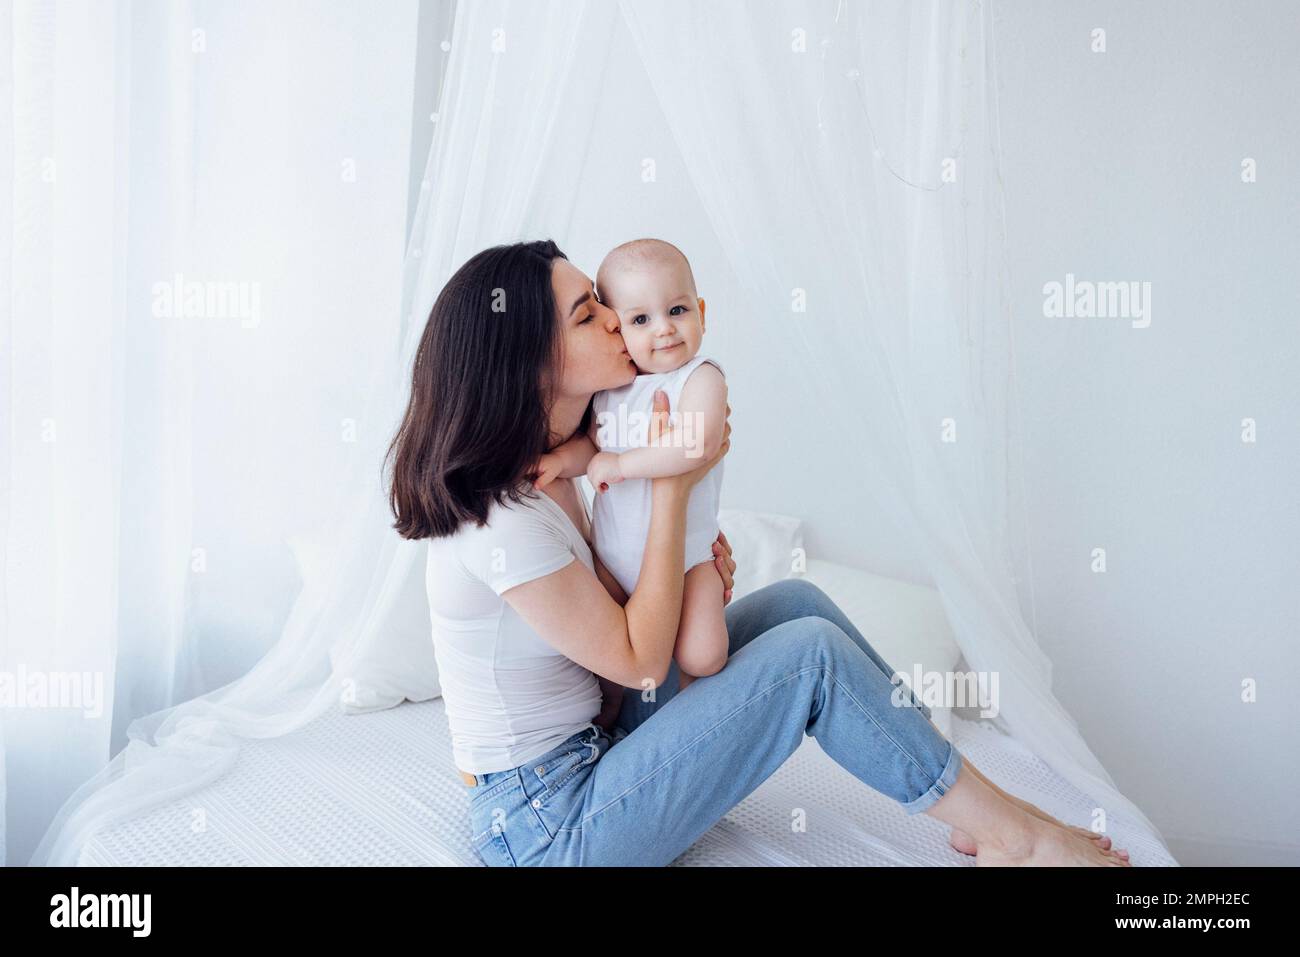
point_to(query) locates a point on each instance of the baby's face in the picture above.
(661, 318)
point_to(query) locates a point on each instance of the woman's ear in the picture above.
(700, 304)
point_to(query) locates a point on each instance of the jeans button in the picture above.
(537, 802)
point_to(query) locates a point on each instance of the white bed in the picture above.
(374, 782)
(381, 789)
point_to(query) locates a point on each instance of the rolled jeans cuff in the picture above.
(941, 786)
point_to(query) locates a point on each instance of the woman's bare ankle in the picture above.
(1013, 836)
(995, 824)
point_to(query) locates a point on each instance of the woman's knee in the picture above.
(815, 638)
(816, 642)
(801, 597)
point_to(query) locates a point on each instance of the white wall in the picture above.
(1126, 165)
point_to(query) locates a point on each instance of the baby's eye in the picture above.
(640, 320)
(676, 310)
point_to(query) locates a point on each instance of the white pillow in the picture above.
(764, 546)
(397, 663)
(905, 623)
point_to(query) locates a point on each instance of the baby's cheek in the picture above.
(638, 348)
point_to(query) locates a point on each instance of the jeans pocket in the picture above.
(556, 783)
(496, 811)
(492, 816)
(556, 771)
(492, 848)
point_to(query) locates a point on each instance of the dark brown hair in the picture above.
(477, 417)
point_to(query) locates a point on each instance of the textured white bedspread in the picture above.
(381, 789)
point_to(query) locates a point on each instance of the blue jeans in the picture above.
(672, 767)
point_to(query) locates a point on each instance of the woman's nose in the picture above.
(611, 321)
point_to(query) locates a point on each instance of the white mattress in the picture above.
(381, 789)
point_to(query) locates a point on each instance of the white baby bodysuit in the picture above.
(621, 516)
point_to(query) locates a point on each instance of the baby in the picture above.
(649, 284)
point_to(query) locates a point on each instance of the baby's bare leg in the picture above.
(701, 647)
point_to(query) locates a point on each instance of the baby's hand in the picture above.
(603, 471)
(547, 470)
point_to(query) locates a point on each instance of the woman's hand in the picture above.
(660, 432)
(726, 565)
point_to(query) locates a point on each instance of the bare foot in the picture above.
(1046, 845)
(1042, 815)
(963, 843)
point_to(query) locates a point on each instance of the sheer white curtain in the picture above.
(816, 138)
(847, 156)
(170, 460)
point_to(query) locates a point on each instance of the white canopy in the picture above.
(832, 170)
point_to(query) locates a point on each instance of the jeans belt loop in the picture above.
(595, 751)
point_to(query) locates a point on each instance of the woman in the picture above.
(526, 617)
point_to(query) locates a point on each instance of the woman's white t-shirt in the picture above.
(510, 696)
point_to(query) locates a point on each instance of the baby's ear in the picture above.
(700, 304)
